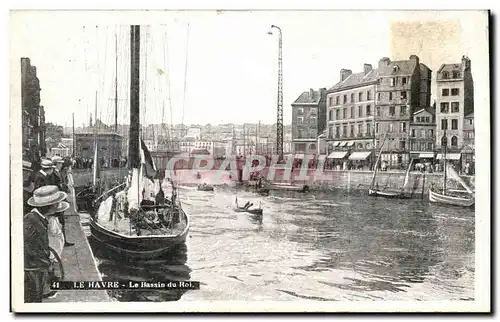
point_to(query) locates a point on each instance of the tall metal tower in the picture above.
(279, 124)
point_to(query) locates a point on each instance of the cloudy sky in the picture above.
(231, 73)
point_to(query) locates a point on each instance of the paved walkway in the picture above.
(78, 262)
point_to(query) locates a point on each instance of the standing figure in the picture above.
(41, 232)
(44, 176)
(60, 181)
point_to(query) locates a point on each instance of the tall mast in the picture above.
(116, 84)
(133, 148)
(445, 161)
(74, 143)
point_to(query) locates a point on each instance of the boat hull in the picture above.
(450, 200)
(388, 194)
(257, 212)
(304, 188)
(135, 247)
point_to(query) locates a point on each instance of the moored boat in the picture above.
(205, 187)
(448, 199)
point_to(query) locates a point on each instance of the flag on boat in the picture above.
(147, 162)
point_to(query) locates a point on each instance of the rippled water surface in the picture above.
(322, 246)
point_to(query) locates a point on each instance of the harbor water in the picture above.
(328, 246)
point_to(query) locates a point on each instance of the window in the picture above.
(312, 111)
(378, 96)
(378, 110)
(444, 141)
(445, 107)
(454, 141)
(403, 79)
(470, 122)
(330, 101)
(454, 124)
(455, 107)
(313, 120)
(360, 129)
(345, 99)
(360, 111)
(403, 95)
(427, 119)
(431, 133)
(445, 92)
(352, 112)
(402, 144)
(337, 114)
(330, 115)
(393, 81)
(422, 133)
(376, 128)
(344, 113)
(352, 98)
(368, 110)
(360, 97)
(390, 96)
(300, 120)
(456, 74)
(402, 110)
(392, 110)
(403, 127)
(337, 131)
(344, 130)
(368, 95)
(352, 129)
(391, 127)
(445, 75)
(337, 100)
(412, 133)
(454, 91)
(368, 129)
(300, 110)
(429, 146)
(444, 124)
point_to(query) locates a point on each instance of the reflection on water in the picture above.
(323, 247)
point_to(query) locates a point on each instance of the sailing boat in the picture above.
(123, 220)
(448, 196)
(374, 191)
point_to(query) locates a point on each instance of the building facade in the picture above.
(422, 136)
(468, 150)
(402, 89)
(308, 121)
(33, 114)
(350, 116)
(455, 100)
(108, 144)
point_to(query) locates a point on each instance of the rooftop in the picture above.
(307, 98)
(358, 79)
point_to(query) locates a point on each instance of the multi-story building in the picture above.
(422, 136)
(109, 145)
(402, 89)
(350, 115)
(33, 115)
(468, 155)
(308, 120)
(455, 100)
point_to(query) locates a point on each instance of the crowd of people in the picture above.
(45, 202)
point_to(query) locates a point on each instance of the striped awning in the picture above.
(350, 143)
(449, 156)
(336, 143)
(422, 155)
(360, 155)
(343, 143)
(337, 155)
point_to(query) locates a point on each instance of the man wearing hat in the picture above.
(40, 232)
(58, 180)
(44, 176)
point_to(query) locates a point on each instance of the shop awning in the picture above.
(337, 155)
(449, 156)
(359, 155)
(422, 155)
(336, 143)
(343, 143)
(350, 143)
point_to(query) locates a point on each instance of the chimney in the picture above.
(465, 63)
(344, 73)
(311, 93)
(415, 58)
(367, 68)
(385, 61)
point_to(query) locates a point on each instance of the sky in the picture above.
(231, 74)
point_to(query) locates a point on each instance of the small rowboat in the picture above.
(257, 211)
(205, 188)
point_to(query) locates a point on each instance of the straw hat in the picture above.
(47, 164)
(62, 206)
(46, 196)
(57, 159)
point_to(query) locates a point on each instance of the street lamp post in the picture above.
(279, 125)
